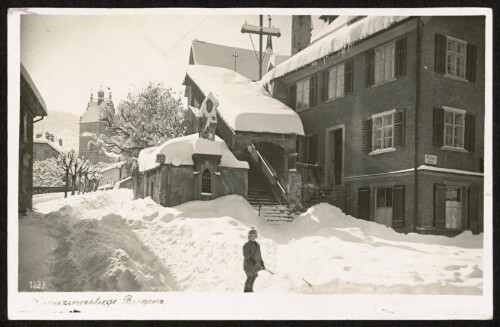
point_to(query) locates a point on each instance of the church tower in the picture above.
(91, 127)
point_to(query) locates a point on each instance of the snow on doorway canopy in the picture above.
(243, 104)
(336, 41)
(179, 151)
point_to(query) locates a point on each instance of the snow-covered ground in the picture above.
(105, 241)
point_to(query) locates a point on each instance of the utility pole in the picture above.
(235, 55)
(261, 31)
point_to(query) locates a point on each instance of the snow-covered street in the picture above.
(105, 241)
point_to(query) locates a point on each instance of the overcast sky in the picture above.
(67, 56)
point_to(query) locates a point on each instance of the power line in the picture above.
(254, 51)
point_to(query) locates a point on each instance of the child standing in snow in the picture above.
(252, 262)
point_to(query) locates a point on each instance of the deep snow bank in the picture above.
(139, 245)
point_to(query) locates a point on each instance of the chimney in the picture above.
(301, 32)
(60, 142)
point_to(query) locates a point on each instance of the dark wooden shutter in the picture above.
(292, 96)
(367, 135)
(470, 70)
(398, 206)
(438, 127)
(473, 208)
(313, 149)
(348, 76)
(369, 67)
(470, 126)
(400, 69)
(313, 90)
(364, 203)
(399, 128)
(324, 85)
(440, 206)
(300, 148)
(440, 54)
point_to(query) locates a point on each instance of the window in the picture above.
(454, 126)
(47, 154)
(456, 51)
(453, 129)
(383, 131)
(383, 208)
(384, 63)
(336, 82)
(455, 58)
(206, 182)
(302, 98)
(453, 207)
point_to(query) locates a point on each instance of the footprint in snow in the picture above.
(347, 268)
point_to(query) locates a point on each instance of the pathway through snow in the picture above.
(107, 242)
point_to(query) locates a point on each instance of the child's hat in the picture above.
(252, 231)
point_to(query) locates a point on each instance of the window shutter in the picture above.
(440, 54)
(440, 206)
(470, 126)
(292, 96)
(367, 135)
(399, 128)
(364, 203)
(400, 69)
(369, 67)
(313, 82)
(398, 206)
(473, 208)
(438, 127)
(348, 76)
(313, 149)
(324, 85)
(470, 70)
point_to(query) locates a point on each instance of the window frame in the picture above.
(381, 115)
(463, 65)
(304, 98)
(454, 111)
(460, 208)
(203, 179)
(376, 62)
(337, 78)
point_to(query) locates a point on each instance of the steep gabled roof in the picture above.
(211, 54)
(243, 104)
(55, 146)
(92, 114)
(26, 76)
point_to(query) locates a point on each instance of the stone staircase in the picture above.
(264, 201)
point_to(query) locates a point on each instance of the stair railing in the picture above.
(266, 168)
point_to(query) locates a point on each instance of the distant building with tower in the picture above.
(91, 127)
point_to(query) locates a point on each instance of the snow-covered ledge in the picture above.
(447, 170)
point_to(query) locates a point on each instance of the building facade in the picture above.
(44, 146)
(31, 106)
(91, 127)
(394, 123)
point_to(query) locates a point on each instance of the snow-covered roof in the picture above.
(211, 54)
(245, 105)
(179, 151)
(114, 165)
(92, 114)
(339, 39)
(55, 146)
(27, 78)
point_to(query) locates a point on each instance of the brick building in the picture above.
(31, 106)
(393, 115)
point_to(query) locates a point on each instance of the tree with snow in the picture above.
(144, 119)
(66, 161)
(47, 173)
